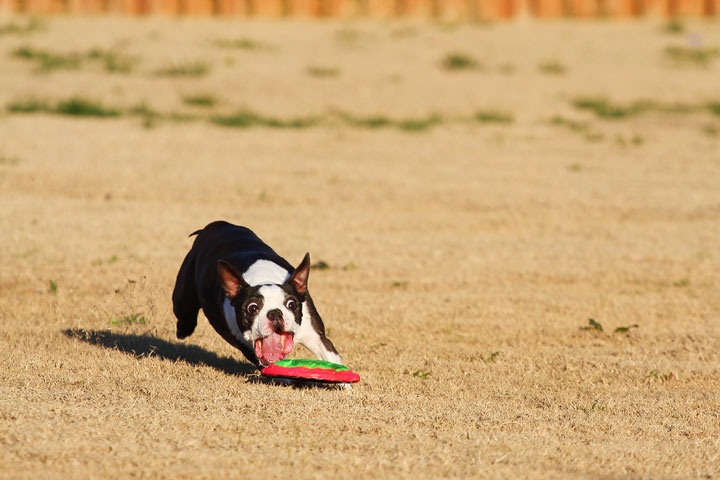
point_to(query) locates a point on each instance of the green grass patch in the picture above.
(82, 107)
(592, 325)
(242, 43)
(53, 287)
(459, 61)
(674, 26)
(114, 62)
(578, 127)
(371, 121)
(22, 28)
(320, 265)
(47, 61)
(323, 72)
(711, 130)
(491, 358)
(418, 124)
(603, 108)
(574, 167)
(574, 125)
(132, 319)
(8, 160)
(492, 116)
(694, 56)
(632, 141)
(28, 105)
(247, 118)
(626, 329)
(552, 67)
(713, 107)
(190, 69)
(149, 116)
(200, 100)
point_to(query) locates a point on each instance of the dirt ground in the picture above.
(465, 256)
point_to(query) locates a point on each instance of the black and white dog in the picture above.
(251, 295)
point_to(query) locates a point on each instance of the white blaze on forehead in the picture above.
(265, 271)
(273, 297)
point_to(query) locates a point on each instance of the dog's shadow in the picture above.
(146, 345)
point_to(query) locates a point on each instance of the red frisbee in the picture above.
(318, 370)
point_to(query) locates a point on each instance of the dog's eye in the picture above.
(252, 308)
(290, 304)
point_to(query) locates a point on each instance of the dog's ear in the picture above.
(299, 277)
(230, 279)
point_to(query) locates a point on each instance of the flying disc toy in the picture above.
(317, 370)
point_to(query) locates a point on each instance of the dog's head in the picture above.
(269, 315)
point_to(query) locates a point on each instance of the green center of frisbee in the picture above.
(297, 362)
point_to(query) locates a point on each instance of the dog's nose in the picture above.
(275, 316)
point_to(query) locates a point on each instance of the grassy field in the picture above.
(520, 225)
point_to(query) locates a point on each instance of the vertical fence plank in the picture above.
(379, 8)
(196, 7)
(163, 7)
(583, 8)
(265, 8)
(618, 8)
(303, 8)
(451, 10)
(414, 8)
(546, 8)
(231, 8)
(688, 7)
(43, 6)
(711, 8)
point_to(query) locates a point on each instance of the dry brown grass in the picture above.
(458, 241)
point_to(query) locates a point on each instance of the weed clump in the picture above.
(674, 26)
(604, 109)
(48, 61)
(418, 124)
(552, 68)
(459, 61)
(323, 72)
(247, 118)
(492, 116)
(243, 43)
(82, 107)
(695, 56)
(27, 105)
(200, 100)
(192, 69)
(16, 28)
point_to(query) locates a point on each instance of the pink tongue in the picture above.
(272, 347)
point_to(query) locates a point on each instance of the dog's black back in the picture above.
(197, 281)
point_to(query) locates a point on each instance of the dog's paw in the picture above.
(184, 332)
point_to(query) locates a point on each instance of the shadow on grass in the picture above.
(145, 345)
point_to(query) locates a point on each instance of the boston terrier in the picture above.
(252, 296)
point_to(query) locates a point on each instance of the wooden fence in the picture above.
(439, 9)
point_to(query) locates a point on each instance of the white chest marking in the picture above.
(265, 271)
